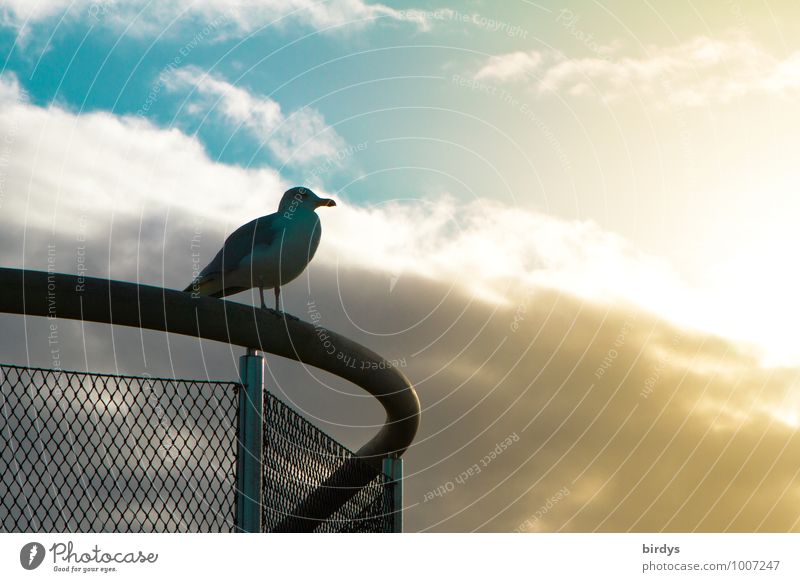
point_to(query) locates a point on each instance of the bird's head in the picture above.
(300, 197)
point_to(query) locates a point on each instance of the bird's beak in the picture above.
(326, 202)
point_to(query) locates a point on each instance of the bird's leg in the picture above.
(278, 298)
(261, 290)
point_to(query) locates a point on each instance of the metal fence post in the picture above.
(249, 449)
(393, 470)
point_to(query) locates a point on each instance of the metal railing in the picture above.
(288, 476)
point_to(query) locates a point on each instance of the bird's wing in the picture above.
(259, 232)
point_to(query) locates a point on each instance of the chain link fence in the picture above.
(83, 452)
(99, 453)
(305, 469)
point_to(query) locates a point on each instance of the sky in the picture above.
(570, 220)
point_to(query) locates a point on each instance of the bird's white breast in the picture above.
(295, 243)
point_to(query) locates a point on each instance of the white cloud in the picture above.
(697, 72)
(18, 11)
(63, 168)
(242, 15)
(493, 250)
(497, 252)
(10, 90)
(300, 137)
(319, 14)
(510, 66)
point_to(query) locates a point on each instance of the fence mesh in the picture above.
(97, 453)
(306, 472)
(86, 452)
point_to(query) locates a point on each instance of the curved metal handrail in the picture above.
(116, 302)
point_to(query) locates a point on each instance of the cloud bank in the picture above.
(243, 16)
(695, 73)
(301, 137)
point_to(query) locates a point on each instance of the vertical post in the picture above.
(393, 470)
(249, 443)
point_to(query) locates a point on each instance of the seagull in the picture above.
(266, 252)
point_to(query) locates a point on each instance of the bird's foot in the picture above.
(285, 315)
(279, 313)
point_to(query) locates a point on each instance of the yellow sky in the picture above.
(681, 130)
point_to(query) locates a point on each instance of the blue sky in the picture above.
(385, 78)
(350, 76)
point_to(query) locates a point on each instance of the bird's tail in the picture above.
(211, 287)
(200, 286)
